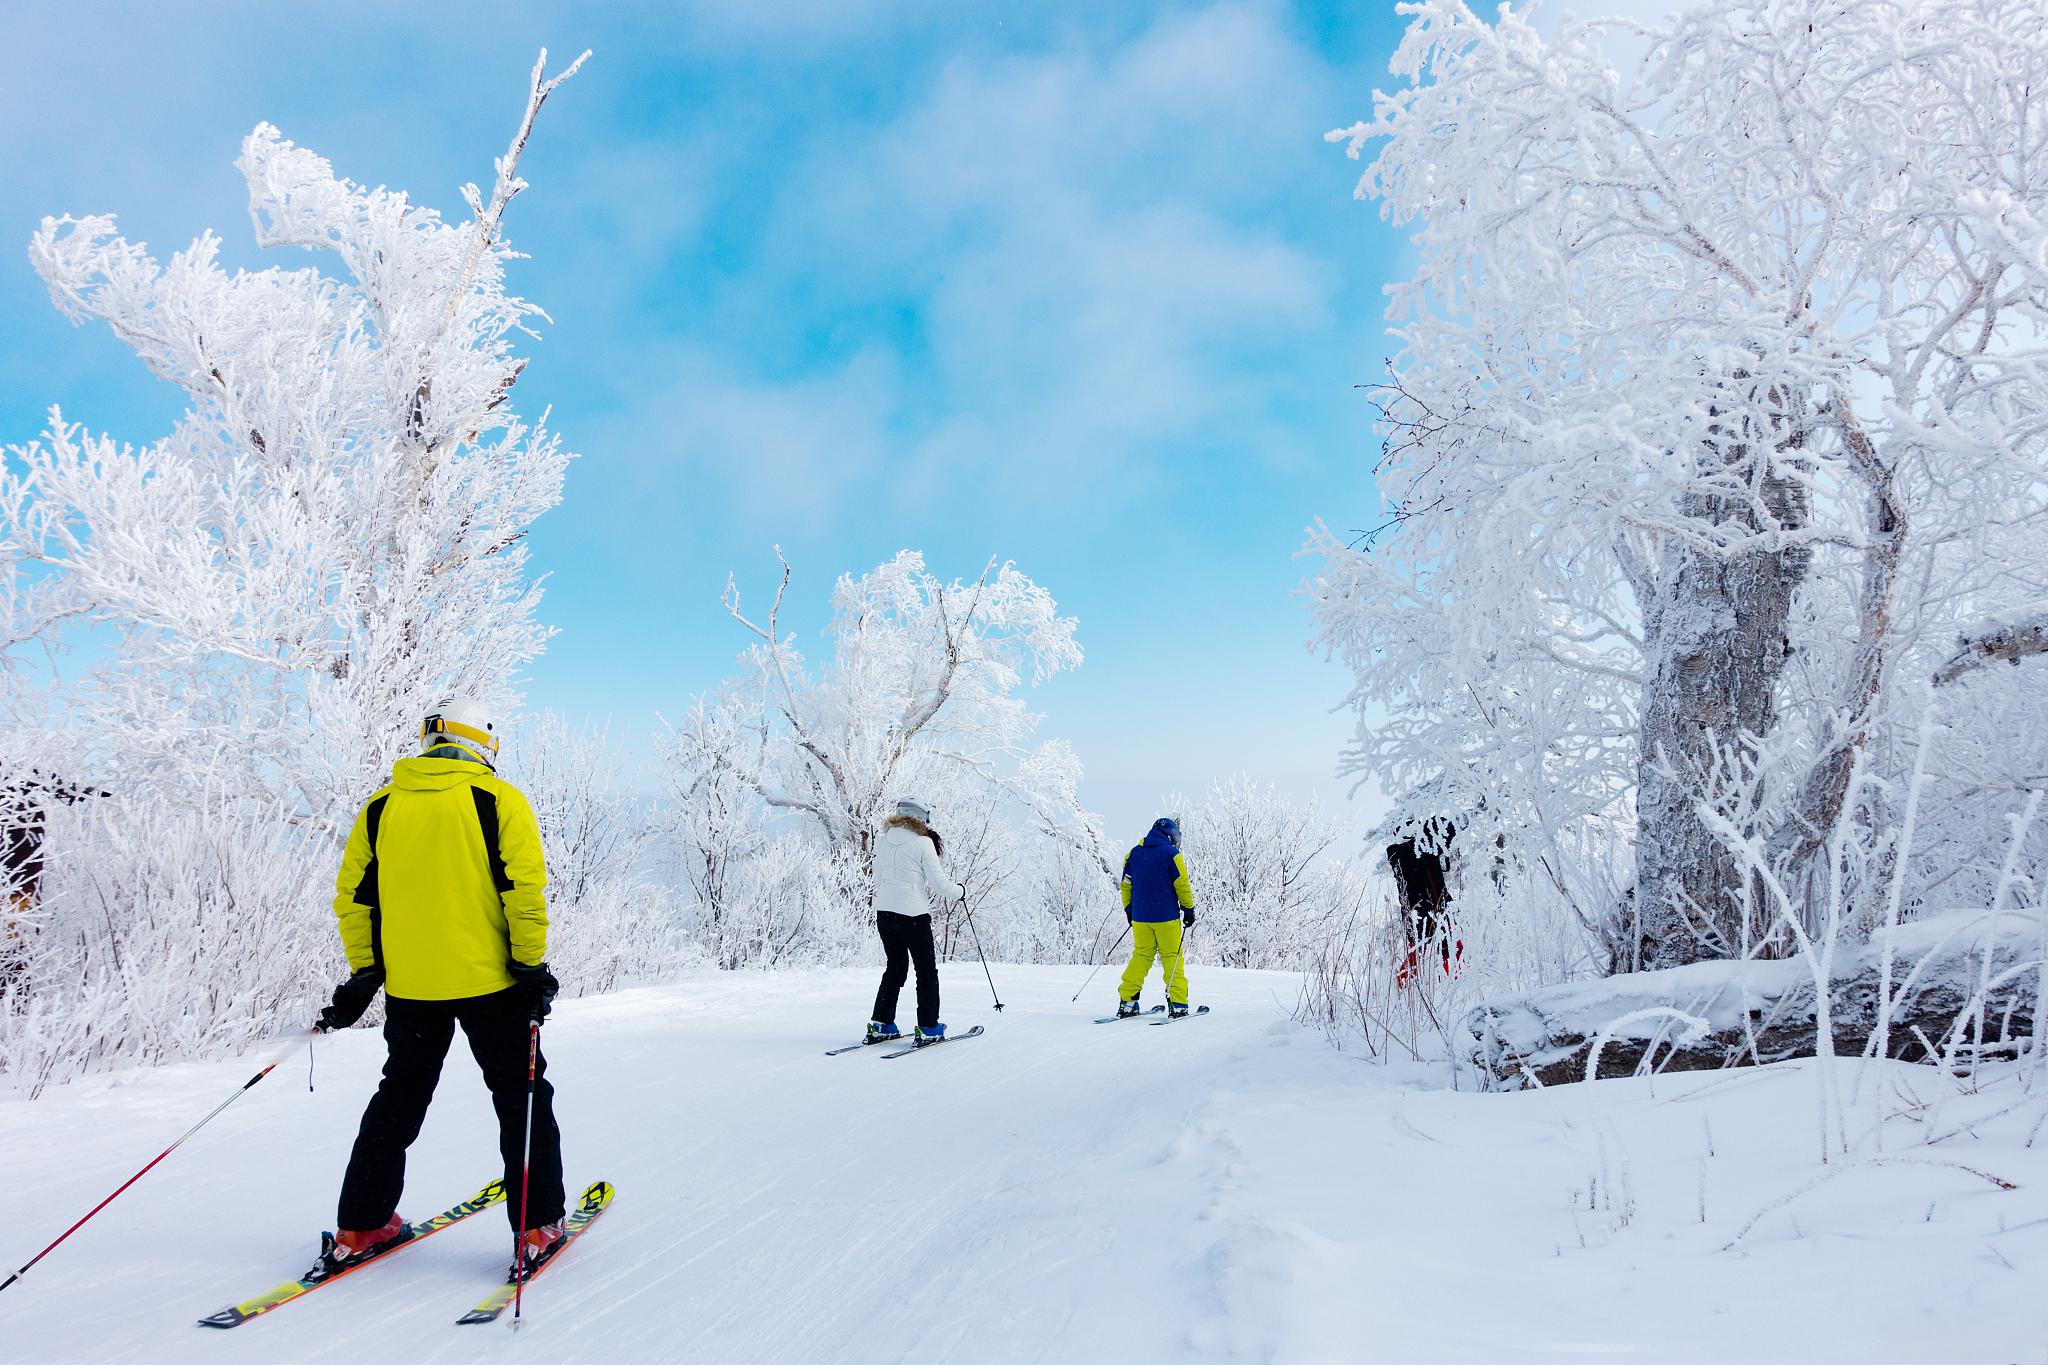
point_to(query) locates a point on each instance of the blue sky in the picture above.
(1077, 286)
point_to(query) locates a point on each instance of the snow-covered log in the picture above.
(1763, 1011)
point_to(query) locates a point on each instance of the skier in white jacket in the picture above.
(907, 872)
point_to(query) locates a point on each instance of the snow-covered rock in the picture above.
(1709, 1015)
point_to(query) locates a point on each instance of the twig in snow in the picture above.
(1834, 1171)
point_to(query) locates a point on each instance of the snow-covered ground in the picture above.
(1228, 1189)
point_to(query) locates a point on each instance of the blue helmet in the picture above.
(1168, 826)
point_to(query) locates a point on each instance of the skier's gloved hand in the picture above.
(1187, 918)
(351, 1000)
(536, 987)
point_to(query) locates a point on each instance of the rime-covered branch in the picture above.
(2007, 641)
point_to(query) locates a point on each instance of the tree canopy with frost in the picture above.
(329, 540)
(1718, 416)
(920, 695)
(920, 692)
(331, 536)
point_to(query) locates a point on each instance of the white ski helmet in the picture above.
(460, 720)
(915, 809)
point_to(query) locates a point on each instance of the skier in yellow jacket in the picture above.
(441, 900)
(1159, 901)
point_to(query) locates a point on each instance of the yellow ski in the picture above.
(595, 1201)
(237, 1314)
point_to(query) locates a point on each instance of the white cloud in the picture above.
(784, 454)
(1079, 234)
(782, 24)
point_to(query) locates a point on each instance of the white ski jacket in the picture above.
(906, 868)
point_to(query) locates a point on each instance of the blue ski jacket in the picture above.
(1155, 884)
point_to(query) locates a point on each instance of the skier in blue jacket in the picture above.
(1159, 901)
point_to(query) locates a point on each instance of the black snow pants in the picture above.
(906, 939)
(417, 1034)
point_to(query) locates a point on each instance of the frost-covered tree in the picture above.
(329, 539)
(1718, 413)
(331, 536)
(593, 826)
(921, 689)
(919, 695)
(712, 824)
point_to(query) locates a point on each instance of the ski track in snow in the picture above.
(1237, 1191)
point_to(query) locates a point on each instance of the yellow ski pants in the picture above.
(1163, 942)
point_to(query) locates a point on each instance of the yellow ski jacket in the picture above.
(442, 882)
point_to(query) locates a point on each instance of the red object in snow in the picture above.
(1453, 959)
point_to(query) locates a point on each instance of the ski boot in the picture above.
(341, 1250)
(879, 1032)
(536, 1247)
(927, 1036)
(1176, 1010)
(1126, 1008)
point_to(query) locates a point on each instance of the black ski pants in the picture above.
(417, 1034)
(907, 939)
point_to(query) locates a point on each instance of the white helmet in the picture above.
(915, 809)
(459, 720)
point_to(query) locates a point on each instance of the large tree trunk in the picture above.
(1715, 633)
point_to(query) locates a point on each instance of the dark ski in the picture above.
(974, 1032)
(1119, 1018)
(1195, 1013)
(240, 1313)
(596, 1200)
(866, 1042)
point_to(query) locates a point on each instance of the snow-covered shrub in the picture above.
(1371, 984)
(620, 931)
(616, 920)
(167, 932)
(1065, 911)
(1274, 880)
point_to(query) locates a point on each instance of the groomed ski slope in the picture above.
(1228, 1189)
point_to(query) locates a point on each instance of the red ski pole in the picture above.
(525, 1166)
(143, 1172)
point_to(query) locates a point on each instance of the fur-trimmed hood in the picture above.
(915, 826)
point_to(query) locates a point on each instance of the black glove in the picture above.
(1129, 920)
(536, 987)
(351, 1000)
(1187, 918)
